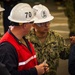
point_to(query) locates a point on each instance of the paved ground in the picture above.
(60, 25)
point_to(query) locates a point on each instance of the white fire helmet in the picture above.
(42, 14)
(1, 9)
(21, 13)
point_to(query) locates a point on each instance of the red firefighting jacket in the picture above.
(26, 59)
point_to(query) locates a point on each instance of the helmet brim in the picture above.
(17, 21)
(43, 20)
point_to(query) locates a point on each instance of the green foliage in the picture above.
(70, 13)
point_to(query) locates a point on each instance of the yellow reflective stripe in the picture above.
(25, 62)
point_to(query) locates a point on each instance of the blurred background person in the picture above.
(8, 5)
(1, 11)
(71, 62)
(3, 69)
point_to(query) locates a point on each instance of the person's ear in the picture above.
(24, 25)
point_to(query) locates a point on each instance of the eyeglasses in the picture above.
(43, 24)
(30, 22)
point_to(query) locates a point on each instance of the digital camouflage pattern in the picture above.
(51, 50)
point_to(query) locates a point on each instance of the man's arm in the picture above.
(71, 63)
(9, 57)
(3, 70)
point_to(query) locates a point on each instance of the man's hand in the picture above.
(42, 68)
(72, 39)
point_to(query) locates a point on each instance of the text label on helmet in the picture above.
(43, 14)
(28, 14)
